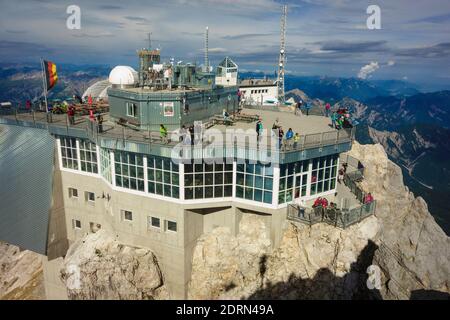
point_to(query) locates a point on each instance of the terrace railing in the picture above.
(118, 132)
(341, 218)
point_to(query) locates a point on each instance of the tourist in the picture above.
(226, 118)
(327, 109)
(298, 107)
(307, 107)
(280, 137)
(317, 206)
(340, 175)
(276, 124)
(259, 128)
(100, 122)
(368, 199)
(163, 133)
(334, 117)
(289, 137)
(296, 140)
(324, 204)
(71, 115)
(91, 115)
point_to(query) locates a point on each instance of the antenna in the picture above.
(149, 35)
(206, 49)
(282, 60)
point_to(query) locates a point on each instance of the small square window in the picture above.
(90, 196)
(127, 215)
(171, 226)
(154, 222)
(73, 193)
(76, 224)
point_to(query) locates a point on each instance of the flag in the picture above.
(51, 77)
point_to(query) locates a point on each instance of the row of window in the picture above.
(152, 221)
(208, 180)
(88, 196)
(256, 91)
(254, 182)
(205, 180)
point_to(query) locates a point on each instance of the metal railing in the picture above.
(115, 131)
(341, 218)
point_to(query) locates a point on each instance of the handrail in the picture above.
(307, 141)
(341, 218)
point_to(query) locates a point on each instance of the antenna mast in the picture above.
(282, 60)
(206, 49)
(149, 35)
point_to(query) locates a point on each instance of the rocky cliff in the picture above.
(411, 252)
(99, 267)
(21, 275)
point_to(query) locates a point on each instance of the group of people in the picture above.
(320, 205)
(302, 104)
(289, 138)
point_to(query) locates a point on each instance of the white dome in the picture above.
(98, 90)
(123, 75)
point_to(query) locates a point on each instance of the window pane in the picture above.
(228, 191)
(209, 192)
(267, 197)
(218, 192)
(172, 226)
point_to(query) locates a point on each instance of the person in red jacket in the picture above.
(327, 109)
(368, 198)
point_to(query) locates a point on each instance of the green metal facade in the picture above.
(201, 105)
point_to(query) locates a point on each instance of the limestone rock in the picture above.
(21, 275)
(99, 267)
(323, 262)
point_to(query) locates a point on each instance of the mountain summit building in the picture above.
(153, 191)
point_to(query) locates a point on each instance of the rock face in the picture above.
(321, 262)
(21, 275)
(414, 252)
(99, 267)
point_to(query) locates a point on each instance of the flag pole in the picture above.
(44, 83)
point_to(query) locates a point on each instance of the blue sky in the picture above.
(323, 37)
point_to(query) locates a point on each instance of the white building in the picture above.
(227, 73)
(258, 91)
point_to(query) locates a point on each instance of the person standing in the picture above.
(296, 140)
(327, 109)
(289, 137)
(307, 107)
(100, 122)
(71, 114)
(334, 117)
(163, 133)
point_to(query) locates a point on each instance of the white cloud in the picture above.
(368, 69)
(391, 63)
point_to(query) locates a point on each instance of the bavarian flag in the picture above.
(50, 74)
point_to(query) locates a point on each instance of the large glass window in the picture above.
(293, 181)
(323, 176)
(88, 157)
(208, 180)
(105, 164)
(129, 169)
(254, 182)
(69, 153)
(163, 177)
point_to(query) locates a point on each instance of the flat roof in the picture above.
(299, 123)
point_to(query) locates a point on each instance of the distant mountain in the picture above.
(415, 133)
(19, 83)
(424, 108)
(333, 89)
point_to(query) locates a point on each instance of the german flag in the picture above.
(51, 76)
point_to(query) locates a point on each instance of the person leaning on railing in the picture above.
(163, 133)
